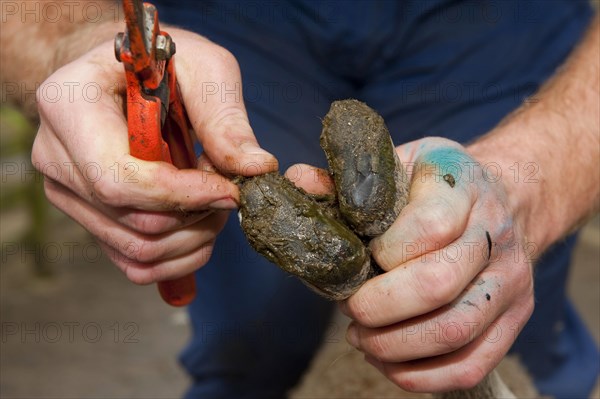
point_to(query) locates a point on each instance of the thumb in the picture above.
(211, 87)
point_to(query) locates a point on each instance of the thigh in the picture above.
(255, 328)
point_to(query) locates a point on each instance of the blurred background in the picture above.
(72, 326)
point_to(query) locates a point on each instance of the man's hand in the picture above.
(458, 285)
(154, 221)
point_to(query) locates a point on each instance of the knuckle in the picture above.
(383, 253)
(436, 284)
(470, 375)
(206, 252)
(107, 191)
(378, 345)
(144, 251)
(225, 57)
(404, 382)
(359, 308)
(49, 168)
(437, 225)
(50, 193)
(44, 107)
(138, 277)
(524, 274)
(37, 157)
(145, 223)
(521, 278)
(454, 335)
(134, 271)
(529, 306)
(137, 272)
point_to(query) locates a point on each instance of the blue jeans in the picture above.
(431, 68)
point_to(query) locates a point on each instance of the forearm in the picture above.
(38, 37)
(548, 150)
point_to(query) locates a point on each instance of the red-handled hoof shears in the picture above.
(156, 119)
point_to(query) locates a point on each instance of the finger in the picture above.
(134, 246)
(462, 369)
(146, 249)
(157, 186)
(212, 93)
(145, 222)
(148, 273)
(311, 179)
(442, 331)
(437, 213)
(148, 222)
(420, 285)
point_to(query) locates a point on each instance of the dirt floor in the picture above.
(85, 332)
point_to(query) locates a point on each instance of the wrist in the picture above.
(43, 46)
(80, 41)
(557, 134)
(505, 157)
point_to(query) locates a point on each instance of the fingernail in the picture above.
(252, 149)
(352, 335)
(223, 204)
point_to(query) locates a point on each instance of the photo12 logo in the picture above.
(89, 332)
(60, 11)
